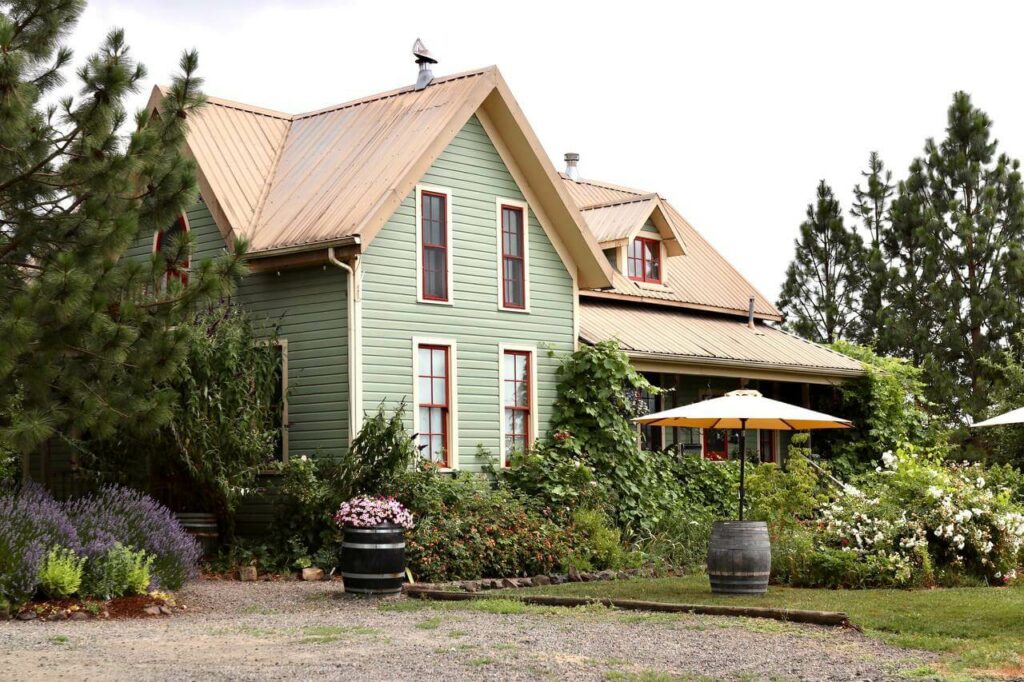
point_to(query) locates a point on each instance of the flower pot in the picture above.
(373, 559)
(739, 557)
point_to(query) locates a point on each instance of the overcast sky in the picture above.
(732, 110)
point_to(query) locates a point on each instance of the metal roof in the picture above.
(299, 182)
(610, 222)
(700, 278)
(692, 338)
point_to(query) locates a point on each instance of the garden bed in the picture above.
(134, 606)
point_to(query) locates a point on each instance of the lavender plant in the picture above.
(121, 515)
(31, 524)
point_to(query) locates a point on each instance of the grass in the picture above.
(58, 639)
(327, 634)
(430, 623)
(975, 628)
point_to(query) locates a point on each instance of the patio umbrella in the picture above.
(744, 410)
(1011, 417)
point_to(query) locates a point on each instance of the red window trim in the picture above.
(655, 247)
(177, 271)
(508, 257)
(446, 406)
(424, 246)
(528, 408)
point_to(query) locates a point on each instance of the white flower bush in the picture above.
(915, 518)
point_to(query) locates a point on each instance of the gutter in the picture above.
(746, 364)
(354, 338)
(302, 248)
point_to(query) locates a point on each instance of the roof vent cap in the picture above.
(572, 160)
(424, 59)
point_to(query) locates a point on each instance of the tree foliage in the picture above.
(820, 295)
(87, 335)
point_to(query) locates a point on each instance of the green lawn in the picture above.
(975, 628)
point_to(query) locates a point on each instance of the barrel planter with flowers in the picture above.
(373, 546)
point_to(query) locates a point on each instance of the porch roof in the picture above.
(692, 340)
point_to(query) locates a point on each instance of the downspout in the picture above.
(354, 387)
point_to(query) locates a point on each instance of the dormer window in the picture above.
(644, 260)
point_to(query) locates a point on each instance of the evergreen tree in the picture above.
(871, 207)
(819, 296)
(958, 226)
(87, 335)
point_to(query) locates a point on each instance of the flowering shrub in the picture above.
(366, 512)
(121, 515)
(915, 521)
(485, 533)
(31, 524)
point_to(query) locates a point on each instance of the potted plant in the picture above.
(373, 546)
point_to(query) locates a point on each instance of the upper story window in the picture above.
(433, 402)
(644, 260)
(434, 245)
(513, 256)
(169, 245)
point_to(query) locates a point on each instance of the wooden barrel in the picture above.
(373, 559)
(201, 526)
(739, 557)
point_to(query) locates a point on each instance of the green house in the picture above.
(419, 246)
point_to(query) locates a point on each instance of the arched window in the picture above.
(167, 241)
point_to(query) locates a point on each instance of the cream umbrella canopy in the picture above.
(1011, 417)
(744, 409)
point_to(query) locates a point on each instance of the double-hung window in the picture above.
(644, 260)
(169, 245)
(513, 256)
(517, 400)
(433, 402)
(513, 229)
(434, 244)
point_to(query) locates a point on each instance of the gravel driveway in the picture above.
(294, 630)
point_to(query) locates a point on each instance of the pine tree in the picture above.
(871, 207)
(819, 296)
(87, 335)
(958, 227)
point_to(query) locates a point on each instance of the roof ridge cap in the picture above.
(393, 93)
(609, 185)
(249, 108)
(620, 202)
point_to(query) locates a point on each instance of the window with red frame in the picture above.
(516, 399)
(644, 260)
(513, 257)
(767, 439)
(168, 242)
(433, 398)
(434, 240)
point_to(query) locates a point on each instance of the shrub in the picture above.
(133, 519)
(478, 532)
(597, 544)
(117, 572)
(61, 574)
(786, 497)
(31, 524)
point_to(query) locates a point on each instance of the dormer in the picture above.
(637, 235)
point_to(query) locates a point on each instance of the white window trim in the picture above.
(532, 350)
(282, 343)
(453, 393)
(419, 242)
(662, 260)
(516, 203)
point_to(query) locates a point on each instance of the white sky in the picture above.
(732, 110)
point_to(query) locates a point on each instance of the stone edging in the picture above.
(573, 576)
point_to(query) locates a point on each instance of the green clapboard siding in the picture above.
(471, 168)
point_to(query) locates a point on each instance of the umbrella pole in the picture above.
(743, 464)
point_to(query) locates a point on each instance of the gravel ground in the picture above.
(294, 630)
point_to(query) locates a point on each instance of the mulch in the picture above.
(119, 608)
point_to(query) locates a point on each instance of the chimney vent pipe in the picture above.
(572, 160)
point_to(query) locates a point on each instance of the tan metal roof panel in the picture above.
(701, 278)
(689, 337)
(617, 221)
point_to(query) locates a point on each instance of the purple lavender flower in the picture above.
(118, 514)
(31, 524)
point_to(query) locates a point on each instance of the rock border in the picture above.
(572, 576)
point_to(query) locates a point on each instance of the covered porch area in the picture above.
(695, 355)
